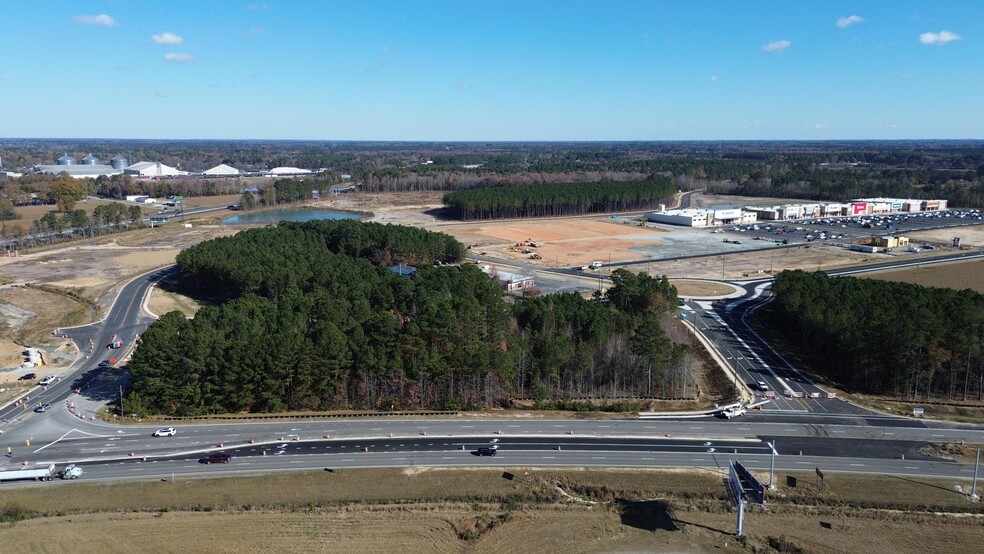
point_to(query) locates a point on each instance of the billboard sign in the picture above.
(859, 208)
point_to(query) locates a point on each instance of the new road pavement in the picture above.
(807, 432)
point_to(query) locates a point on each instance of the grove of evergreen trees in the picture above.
(309, 316)
(885, 337)
(557, 199)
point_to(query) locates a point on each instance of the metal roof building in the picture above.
(289, 171)
(84, 171)
(221, 170)
(153, 169)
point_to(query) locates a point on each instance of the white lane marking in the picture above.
(856, 465)
(549, 458)
(912, 467)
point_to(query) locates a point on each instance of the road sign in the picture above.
(917, 411)
(754, 491)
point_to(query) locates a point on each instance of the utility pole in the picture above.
(121, 400)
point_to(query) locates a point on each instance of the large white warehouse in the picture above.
(221, 170)
(153, 169)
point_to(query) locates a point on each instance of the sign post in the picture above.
(772, 466)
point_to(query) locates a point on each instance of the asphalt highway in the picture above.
(808, 432)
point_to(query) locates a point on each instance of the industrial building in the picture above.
(288, 171)
(153, 169)
(221, 170)
(90, 168)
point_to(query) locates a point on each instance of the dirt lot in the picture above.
(525, 510)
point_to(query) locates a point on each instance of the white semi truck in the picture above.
(43, 472)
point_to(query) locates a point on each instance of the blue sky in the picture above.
(492, 70)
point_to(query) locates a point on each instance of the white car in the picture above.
(47, 380)
(165, 432)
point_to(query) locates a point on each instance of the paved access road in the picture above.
(807, 435)
(124, 321)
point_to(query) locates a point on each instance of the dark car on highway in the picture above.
(42, 408)
(215, 458)
(486, 451)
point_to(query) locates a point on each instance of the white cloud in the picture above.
(936, 39)
(714, 78)
(257, 6)
(254, 31)
(819, 125)
(167, 38)
(463, 86)
(385, 49)
(101, 19)
(849, 20)
(777, 46)
(178, 58)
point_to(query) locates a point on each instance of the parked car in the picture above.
(165, 432)
(42, 408)
(27, 377)
(215, 458)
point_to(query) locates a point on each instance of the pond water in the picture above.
(287, 214)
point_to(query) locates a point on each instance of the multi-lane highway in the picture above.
(808, 431)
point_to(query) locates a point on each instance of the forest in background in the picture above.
(831, 170)
(309, 316)
(885, 337)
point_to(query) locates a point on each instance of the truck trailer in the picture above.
(42, 472)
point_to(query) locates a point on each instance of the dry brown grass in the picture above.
(957, 275)
(483, 511)
(50, 311)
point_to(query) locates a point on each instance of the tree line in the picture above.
(308, 316)
(885, 337)
(557, 199)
